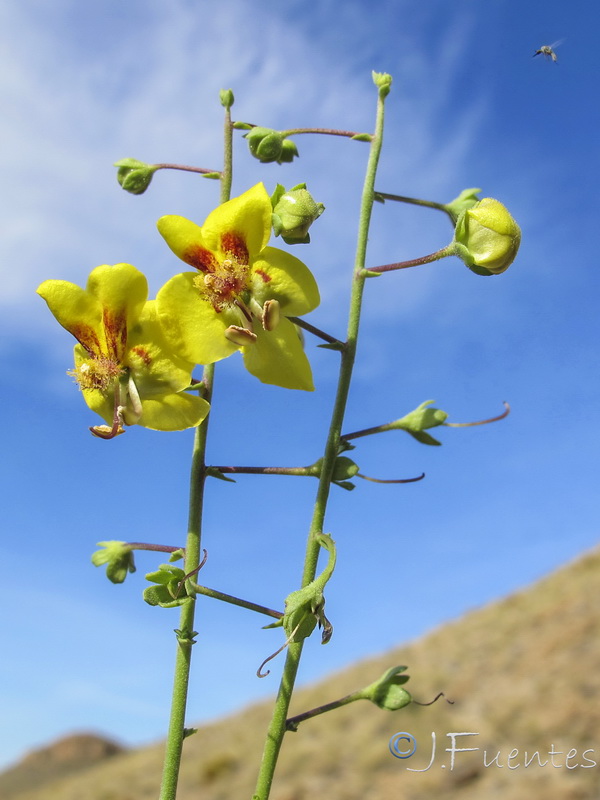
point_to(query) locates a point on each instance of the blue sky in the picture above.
(82, 85)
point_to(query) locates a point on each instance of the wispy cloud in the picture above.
(83, 90)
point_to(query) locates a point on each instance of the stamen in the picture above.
(271, 315)
(240, 336)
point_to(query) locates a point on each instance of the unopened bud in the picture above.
(383, 81)
(294, 212)
(134, 176)
(487, 238)
(226, 98)
(265, 144)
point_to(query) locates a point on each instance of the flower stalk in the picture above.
(185, 633)
(277, 727)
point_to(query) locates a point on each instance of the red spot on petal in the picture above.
(143, 354)
(200, 258)
(115, 328)
(86, 336)
(266, 278)
(235, 245)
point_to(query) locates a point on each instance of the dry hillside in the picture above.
(524, 674)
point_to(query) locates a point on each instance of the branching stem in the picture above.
(277, 727)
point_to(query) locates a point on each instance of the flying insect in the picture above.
(547, 50)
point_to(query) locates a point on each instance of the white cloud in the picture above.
(149, 87)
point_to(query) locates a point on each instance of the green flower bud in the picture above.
(226, 98)
(294, 212)
(268, 145)
(466, 199)
(383, 81)
(387, 692)
(487, 238)
(118, 557)
(134, 176)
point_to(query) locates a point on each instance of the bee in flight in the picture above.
(547, 50)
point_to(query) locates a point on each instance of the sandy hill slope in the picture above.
(524, 675)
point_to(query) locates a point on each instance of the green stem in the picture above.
(186, 168)
(415, 262)
(302, 471)
(236, 601)
(416, 202)
(325, 131)
(302, 323)
(293, 722)
(185, 635)
(277, 727)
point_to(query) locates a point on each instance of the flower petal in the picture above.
(76, 310)
(154, 366)
(247, 216)
(277, 357)
(185, 239)
(191, 326)
(278, 275)
(173, 412)
(121, 289)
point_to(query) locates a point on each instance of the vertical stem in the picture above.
(277, 727)
(185, 635)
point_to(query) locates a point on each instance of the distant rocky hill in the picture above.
(58, 759)
(524, 675)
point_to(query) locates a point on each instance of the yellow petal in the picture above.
(247, 216)
(77, 311)
(154, 366)
(278, 275)
(173, 412)
(185, 239)
(191, 326)
(277, 357)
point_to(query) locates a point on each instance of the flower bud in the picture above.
(226, 98)
(487, 238)
(134, 176)
(294, 212)
(264, 143)
(383, 81)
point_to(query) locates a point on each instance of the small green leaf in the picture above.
(339, 346)
(347, 485)
(216, 473)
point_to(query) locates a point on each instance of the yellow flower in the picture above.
(123, 365)
(241, 295)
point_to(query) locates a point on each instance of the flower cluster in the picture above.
(134, 357)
